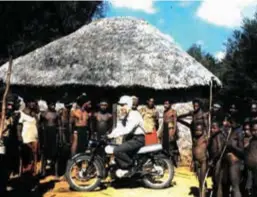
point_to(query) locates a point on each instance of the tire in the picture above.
(165, 184)
(76, 187)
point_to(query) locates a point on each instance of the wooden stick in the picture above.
(8, 77)
(202, 190)
(210, 107)
(220, 158)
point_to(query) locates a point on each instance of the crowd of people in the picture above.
(223, 145)
(34, 133)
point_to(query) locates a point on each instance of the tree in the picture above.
(206, 59)
(26, 26)
(241, 60)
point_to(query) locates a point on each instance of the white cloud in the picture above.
(226, 13)
(220, 55)
(142, 5)
(185, 3)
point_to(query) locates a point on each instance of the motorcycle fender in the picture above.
(166, 155)
(78, 155)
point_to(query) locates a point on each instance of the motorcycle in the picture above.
(97, 162)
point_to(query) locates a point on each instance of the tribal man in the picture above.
(87, 106)
(64, 114)
(102, 121)
(81, 131)
(217, 113)
(253, 114)
(233, 157)
(51, 132)
(28, 136)
(135, 103)
(251, 157)
(247, 176)
(215, 147)
(198, 127)
(234, 114)
(151, 121)
(169, 133)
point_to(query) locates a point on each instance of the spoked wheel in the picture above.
(159, 173)
(83, 176)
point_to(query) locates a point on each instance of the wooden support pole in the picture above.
(210, 108)
(8, 78)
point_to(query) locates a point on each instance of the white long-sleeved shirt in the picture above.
(134, 124)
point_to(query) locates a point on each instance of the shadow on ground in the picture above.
(24, 186)
(195, 192)
(28, 186)
(125, 184)
(129, 184)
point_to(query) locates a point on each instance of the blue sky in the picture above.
(208, 23)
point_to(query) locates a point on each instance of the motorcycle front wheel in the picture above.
(159, 173)
(82, 176)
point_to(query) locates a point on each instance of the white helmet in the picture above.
(126, 100)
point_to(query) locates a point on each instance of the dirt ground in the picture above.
(184, 185)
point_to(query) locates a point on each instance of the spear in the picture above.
(210, 107)
(220, 157)
(202, 191)
(8, 77)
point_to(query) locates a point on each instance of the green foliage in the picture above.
(240, 79)
(26, 26)
(238, 70)
(206, 59)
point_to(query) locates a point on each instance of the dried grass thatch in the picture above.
(111, 52)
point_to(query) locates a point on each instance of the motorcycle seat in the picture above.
(150, 148)
(145, 149)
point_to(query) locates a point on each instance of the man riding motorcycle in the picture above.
(131, 127)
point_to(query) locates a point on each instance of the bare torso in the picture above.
(251, 158)
(216, 144)
(80, 117)
(64, 116)
(169, 121)
(103, 123)
(199, 118)
(232, 155)
(200, 148)
(50, 118)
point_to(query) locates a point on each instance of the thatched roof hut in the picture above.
(111, 52)
(111, 57)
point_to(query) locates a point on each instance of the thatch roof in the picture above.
(121, 51)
